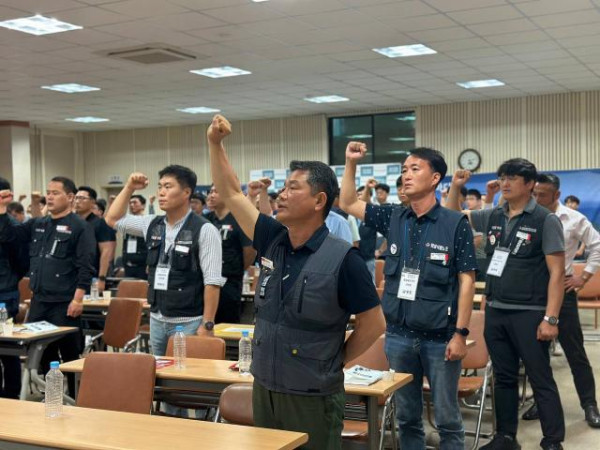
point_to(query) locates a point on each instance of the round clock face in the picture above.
(469, 159)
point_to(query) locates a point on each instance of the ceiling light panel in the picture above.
(39, 25)
(405, 50)
(221, 72)
(327, 99)
(87, 119)
(199, 110)
(480, 84)
(71, 88)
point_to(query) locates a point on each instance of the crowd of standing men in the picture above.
(316, 245)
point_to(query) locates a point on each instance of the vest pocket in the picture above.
(153, 252)
(313, 360)
(60, 245)
(181, 260)
(426, 314)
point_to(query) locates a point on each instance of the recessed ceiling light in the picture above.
(259, 1)
(70, 88)
(221, 72)
(407, 118)
(199, 110)
(327, 99)
(405, 50)
(480, 84)
(88, 119)
(359, 136)
(402, 139)
(39, 25)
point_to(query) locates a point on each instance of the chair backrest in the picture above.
(374, 357)
(24, 290)
(122, 321)
(235, 404)
(379, 271)
(201, 347)
(591, 290)
(254, 272)
(133, 289)
(477, 356)
(118, 382)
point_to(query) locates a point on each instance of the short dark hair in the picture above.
(572, 198)
(399, 182)
(434, 158)
(519, 167)
(475, 193)
(101, 204)
(383, 186)
(360, 189)
(463, 191)
(141, 198)
(68, 186)
(15, 207)
(273, 195)
(89, 190)
(198, 196)
(321, 178)
(185, 176)
(4, 184)
(549, 178)
(43, 200)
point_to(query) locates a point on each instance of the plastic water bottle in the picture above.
(179, 347)
(245, 353)
(3, 316)
(94, 295)
(54, 391)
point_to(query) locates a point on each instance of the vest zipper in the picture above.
(301, 300)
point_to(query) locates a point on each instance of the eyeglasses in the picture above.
(81, 197)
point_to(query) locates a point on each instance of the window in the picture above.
(389, 137)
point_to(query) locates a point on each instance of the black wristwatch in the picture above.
(208, 325)
(551, 320)
(101, 278)
(462, 331)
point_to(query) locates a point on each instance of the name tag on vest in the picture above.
(409, 281)
(498, 262)
(131, 245)
(161, 279)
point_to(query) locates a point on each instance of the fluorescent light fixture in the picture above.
(327, 99)
(360, 136)
(259, 1)
(199, 110)
(406, 118)
(480, 84)
(88, 119)
(71, 88)
(39, 25)
(221, 72)
(399, 152)
(405, 50)
(402, 139)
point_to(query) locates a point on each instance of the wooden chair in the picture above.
(133, 289)
(118, 382)
(121, 329)
(589, 296)
(25, 293)
(235, 405)
(379, 277)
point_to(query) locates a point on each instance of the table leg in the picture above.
(373, 422)
(24, 384)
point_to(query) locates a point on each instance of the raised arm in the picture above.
(224, 177)
(355, 151)
(118, 208)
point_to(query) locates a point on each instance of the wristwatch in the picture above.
(209, 325)
(551, 320)
(462, 331)
(102, 278)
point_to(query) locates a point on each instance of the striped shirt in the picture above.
(210, 252)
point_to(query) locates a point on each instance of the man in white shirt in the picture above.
(577, 228)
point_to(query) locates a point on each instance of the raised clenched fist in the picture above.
(6, 196)
(355, 151)
(371, 183)
(36, 197)
(266, 182)
(218, 129)
(22, 197)
(255, 187)
(152, 198)
(461, 177)
(137, 181)
(492, 187)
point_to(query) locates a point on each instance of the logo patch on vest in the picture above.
(393, 249)
(439, 247)
(492, 239)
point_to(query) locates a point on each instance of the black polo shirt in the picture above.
(102, 232)
(356, 290)
(233, 242)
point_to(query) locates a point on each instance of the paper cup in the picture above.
(8, 329)
(107, 295)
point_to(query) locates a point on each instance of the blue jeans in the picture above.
(161, 331)
(426, 358)
(371, 267)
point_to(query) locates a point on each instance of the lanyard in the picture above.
(406, 244)
(513, 232)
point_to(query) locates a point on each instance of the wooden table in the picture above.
(96, 310)
(31, 345)
(209, 375)
(25, 426)
(480, 287)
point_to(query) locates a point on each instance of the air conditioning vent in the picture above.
(151, 54)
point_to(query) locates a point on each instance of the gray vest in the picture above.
(299, 339)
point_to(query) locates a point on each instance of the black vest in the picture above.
(137, 259)
(184, 296)
(9, 279)
(436, 302)
(368, 241)
(299, 339)
(53, 272)
(525, 278)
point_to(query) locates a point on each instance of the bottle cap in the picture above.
(179, 328)
(245, 333)
(2, 305)
(54, 364)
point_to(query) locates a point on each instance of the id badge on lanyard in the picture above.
(409, 281)
(161, 278)
(131, 245)
(498, 261)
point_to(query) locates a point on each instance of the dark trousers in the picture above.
(570, 337)
(135, 272)
(321, 417)
(10, 370)
(511, 335)
(69, 346)
(230, 302)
